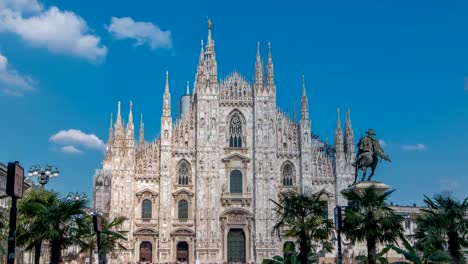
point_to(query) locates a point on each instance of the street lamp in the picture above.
(77, 197)
(43, 174)
(338, 228)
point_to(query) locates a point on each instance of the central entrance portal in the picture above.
(146, 252)
(236, 246)
(182, 252)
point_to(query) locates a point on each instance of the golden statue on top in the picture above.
(209, 23)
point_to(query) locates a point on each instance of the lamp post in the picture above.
(338, 227)
(43, 174)
(77, 197)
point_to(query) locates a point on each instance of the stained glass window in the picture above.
(288, 175)
(183, 209)
(146, 209)
(235, 132)
(184, 177)
(236, 181)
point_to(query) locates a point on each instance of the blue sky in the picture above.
(399, 65)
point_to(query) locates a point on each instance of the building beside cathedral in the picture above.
(201, 191)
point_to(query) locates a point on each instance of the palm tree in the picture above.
(304, 216)
(414, 256)
(110, 237)
(112, 234)
(30, 226)
(46, 217)
(368, 218)
(443, 225)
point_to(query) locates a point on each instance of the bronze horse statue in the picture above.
(368, 155)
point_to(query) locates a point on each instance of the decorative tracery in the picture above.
(235, 131)
(184, 173)
(288, 175)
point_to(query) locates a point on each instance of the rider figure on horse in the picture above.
(369, 151)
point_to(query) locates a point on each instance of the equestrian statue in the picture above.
(369, 152)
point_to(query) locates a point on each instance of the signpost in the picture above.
(338, 226)
(97, 224)
(14, 189)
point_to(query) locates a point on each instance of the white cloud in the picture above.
(415, 147)
(61, 32)
(11, 82)
(77, 137)
(382, 143)
(141, 32)
(71, 150)
(24, 6)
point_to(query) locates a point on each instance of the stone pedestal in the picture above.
(360, 187)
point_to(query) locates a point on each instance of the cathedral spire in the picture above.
(270, 71)
(130, 125)
(209, 76)
(304, 101)
(294, 111)
(349, 134)
(111, 132)
(118, 122)
(258, 71)
(142, 131)
(188, 88)
(167, 98)
(338, 135)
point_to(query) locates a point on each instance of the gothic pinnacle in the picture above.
(166, 89)
(188, 88)
(303, 86)
(338, 121)
(119, 118)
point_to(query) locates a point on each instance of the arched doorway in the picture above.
(236, 246)
(182, 252)
(146, 252)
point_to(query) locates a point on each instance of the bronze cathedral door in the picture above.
(182, 252)
(146, 252)
(236, 246)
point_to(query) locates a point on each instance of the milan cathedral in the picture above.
(201, 192)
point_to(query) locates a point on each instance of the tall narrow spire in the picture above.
(130, 118)
(338, 135)
(166, 87)
(294, 112)
(111, 132)
(167, 98)
(188, 88)
(258, 70)
(210, 40)
(304, 101)
(142, 131)
(349, 134)
(270, 71)
(118, 122)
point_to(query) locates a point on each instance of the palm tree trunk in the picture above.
(55, 252)
(454, 247)
(371, 251)
(303, 247)
(37, 252)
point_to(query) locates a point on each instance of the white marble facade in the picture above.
(201, 191)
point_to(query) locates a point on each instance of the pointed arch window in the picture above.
(184, 174)
(235, 131)
(146, 209)
(288, 175)
(235, 181)
(183, 210)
